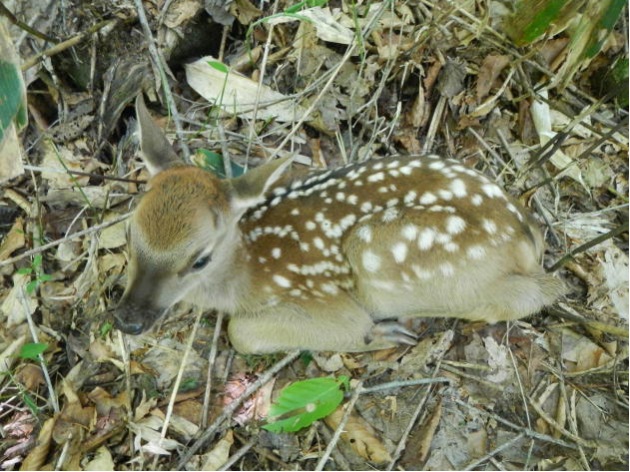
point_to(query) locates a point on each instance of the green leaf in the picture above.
(219, 66)
(532, 18)
(31, 286)
(606, 23)
(37, 260)
(303, 402)
(213, 162)
(24, 271)
(105, 328)
(30, 403)
(32, 350)
(12, 103)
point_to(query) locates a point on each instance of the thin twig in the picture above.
(404, 383)
(238, 454)
(53, 170)
(229, 410)
(593, 242)
(176, 384)
(180, 375)
(70, 237)
(554, 424)
(402, 444)
(20, 24)
(56, 49)
(212, 356)
(342, 424)
(527, 431)
(160, 64)
(496, 451)
(31, 325)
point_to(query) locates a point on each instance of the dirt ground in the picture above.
(540, 115)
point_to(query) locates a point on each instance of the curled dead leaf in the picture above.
(37, 457)
(361, 436)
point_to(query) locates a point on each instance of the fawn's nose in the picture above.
(128, 327)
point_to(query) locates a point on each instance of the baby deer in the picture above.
(321, 262)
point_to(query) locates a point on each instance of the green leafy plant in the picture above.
(36, 270)
(214, 162)
(290, 12)
(304, 402)
(32, 350)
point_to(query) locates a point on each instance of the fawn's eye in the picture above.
(201, 262)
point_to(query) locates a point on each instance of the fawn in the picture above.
(323, 262)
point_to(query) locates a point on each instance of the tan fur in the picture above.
(321, 262)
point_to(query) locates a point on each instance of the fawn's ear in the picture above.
(249, 189)
(157, 152)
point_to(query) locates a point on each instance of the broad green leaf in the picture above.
(532, 18)
(32, 350)
(12, 105)
(213, 162)
(605, 25)
(303, 402)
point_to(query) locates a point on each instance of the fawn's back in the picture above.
(321, 262)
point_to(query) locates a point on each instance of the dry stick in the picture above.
(521, 390)
(53, 170)
(32, 61)
(327, 85)
(238, 454)
(342, 424)
(20, 24)
(341, 463)
(124, 350)
(263, 68)
(160, 64)
(78, 234)
(436, 120)
(229, 410)
(554, 424)
(176, 384)
(593, 242)
(211, 360)
(496, 451)
(416, 414)
(404, 383)
(501, 44)
(527, 431)
(31, 326)
(180, 374)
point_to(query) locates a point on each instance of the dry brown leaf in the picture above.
(219, 454)
(580, 353)
(490, 69)
(428, 431)
(360, 435)
(73, 422)
(244, 11)
(102, 460)
(37, 457)
(30, 376)
(104, 402)
(14, 239)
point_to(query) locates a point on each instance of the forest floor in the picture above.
(461, 79)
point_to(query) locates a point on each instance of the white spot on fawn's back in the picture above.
(399, 250)
(371, 261)
(455, 224)
(365, 234)
(282, 281)
(426, 238)
(427, 198)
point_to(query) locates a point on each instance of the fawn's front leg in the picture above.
(340, 325)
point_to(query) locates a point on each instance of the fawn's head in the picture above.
(184, 230)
